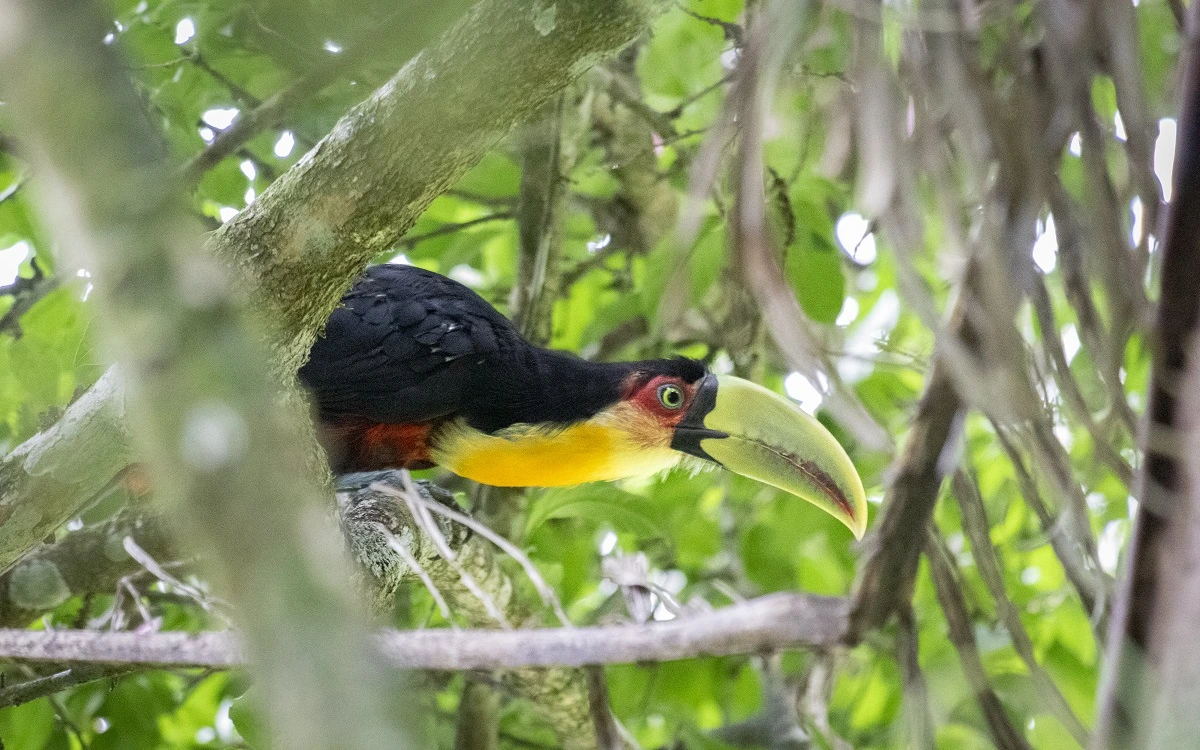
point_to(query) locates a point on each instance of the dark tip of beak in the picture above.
(691, 430)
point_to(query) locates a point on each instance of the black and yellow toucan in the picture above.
(415, 370)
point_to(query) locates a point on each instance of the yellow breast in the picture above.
(614, 444)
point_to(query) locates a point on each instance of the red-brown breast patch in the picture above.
(380, 446)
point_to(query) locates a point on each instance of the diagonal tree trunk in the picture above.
(1149, 692)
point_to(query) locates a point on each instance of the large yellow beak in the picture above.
(759, 434)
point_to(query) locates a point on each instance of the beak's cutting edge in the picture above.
(759, 434)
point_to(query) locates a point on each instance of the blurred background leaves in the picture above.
(628, 286)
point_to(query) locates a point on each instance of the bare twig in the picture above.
(548, 155)
(608, 736)
(1069, 387)
(818, 688)
(416, 239)
(975, 522)
(23, 692)
(411, 561)
(1088, 580)
(916, 693)
(962, 635)
(425, 522)
(411, 35)
(147, 561)
(26, 292)
(769, 623)
(549, 598)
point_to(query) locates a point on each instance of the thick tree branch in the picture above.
(375, 522)
(888, 575)
(364, 185)
(52, 475)
(395, 544)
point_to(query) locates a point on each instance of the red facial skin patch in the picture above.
(645, 396)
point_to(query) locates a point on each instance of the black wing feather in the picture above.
(407, 345)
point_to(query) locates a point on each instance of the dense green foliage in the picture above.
(626, 287)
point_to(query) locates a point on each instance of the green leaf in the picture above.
(596, 502)
(816, 275)
(27, 727)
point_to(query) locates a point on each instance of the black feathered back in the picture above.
(409, 345)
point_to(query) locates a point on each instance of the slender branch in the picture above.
(962, 635)
(401, 32)
(918, 472)
(1089, 582)
(549, 154)
(477, 725)
(240, 95)
(624, 91)
(768, 623)
(23, 692)
(416, 239)
(608, 736)
(25, 293)
(916, 692)
(777, 725)
(1068, 386)
(987, 561)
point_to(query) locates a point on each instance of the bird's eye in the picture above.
(670, 396)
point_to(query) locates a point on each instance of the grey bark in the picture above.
(768, 623)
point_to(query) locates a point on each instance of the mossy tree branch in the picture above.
(376, 522)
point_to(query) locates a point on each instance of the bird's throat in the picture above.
(603, 448)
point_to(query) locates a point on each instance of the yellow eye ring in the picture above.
(670, 396)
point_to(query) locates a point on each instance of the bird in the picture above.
(415, 370)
